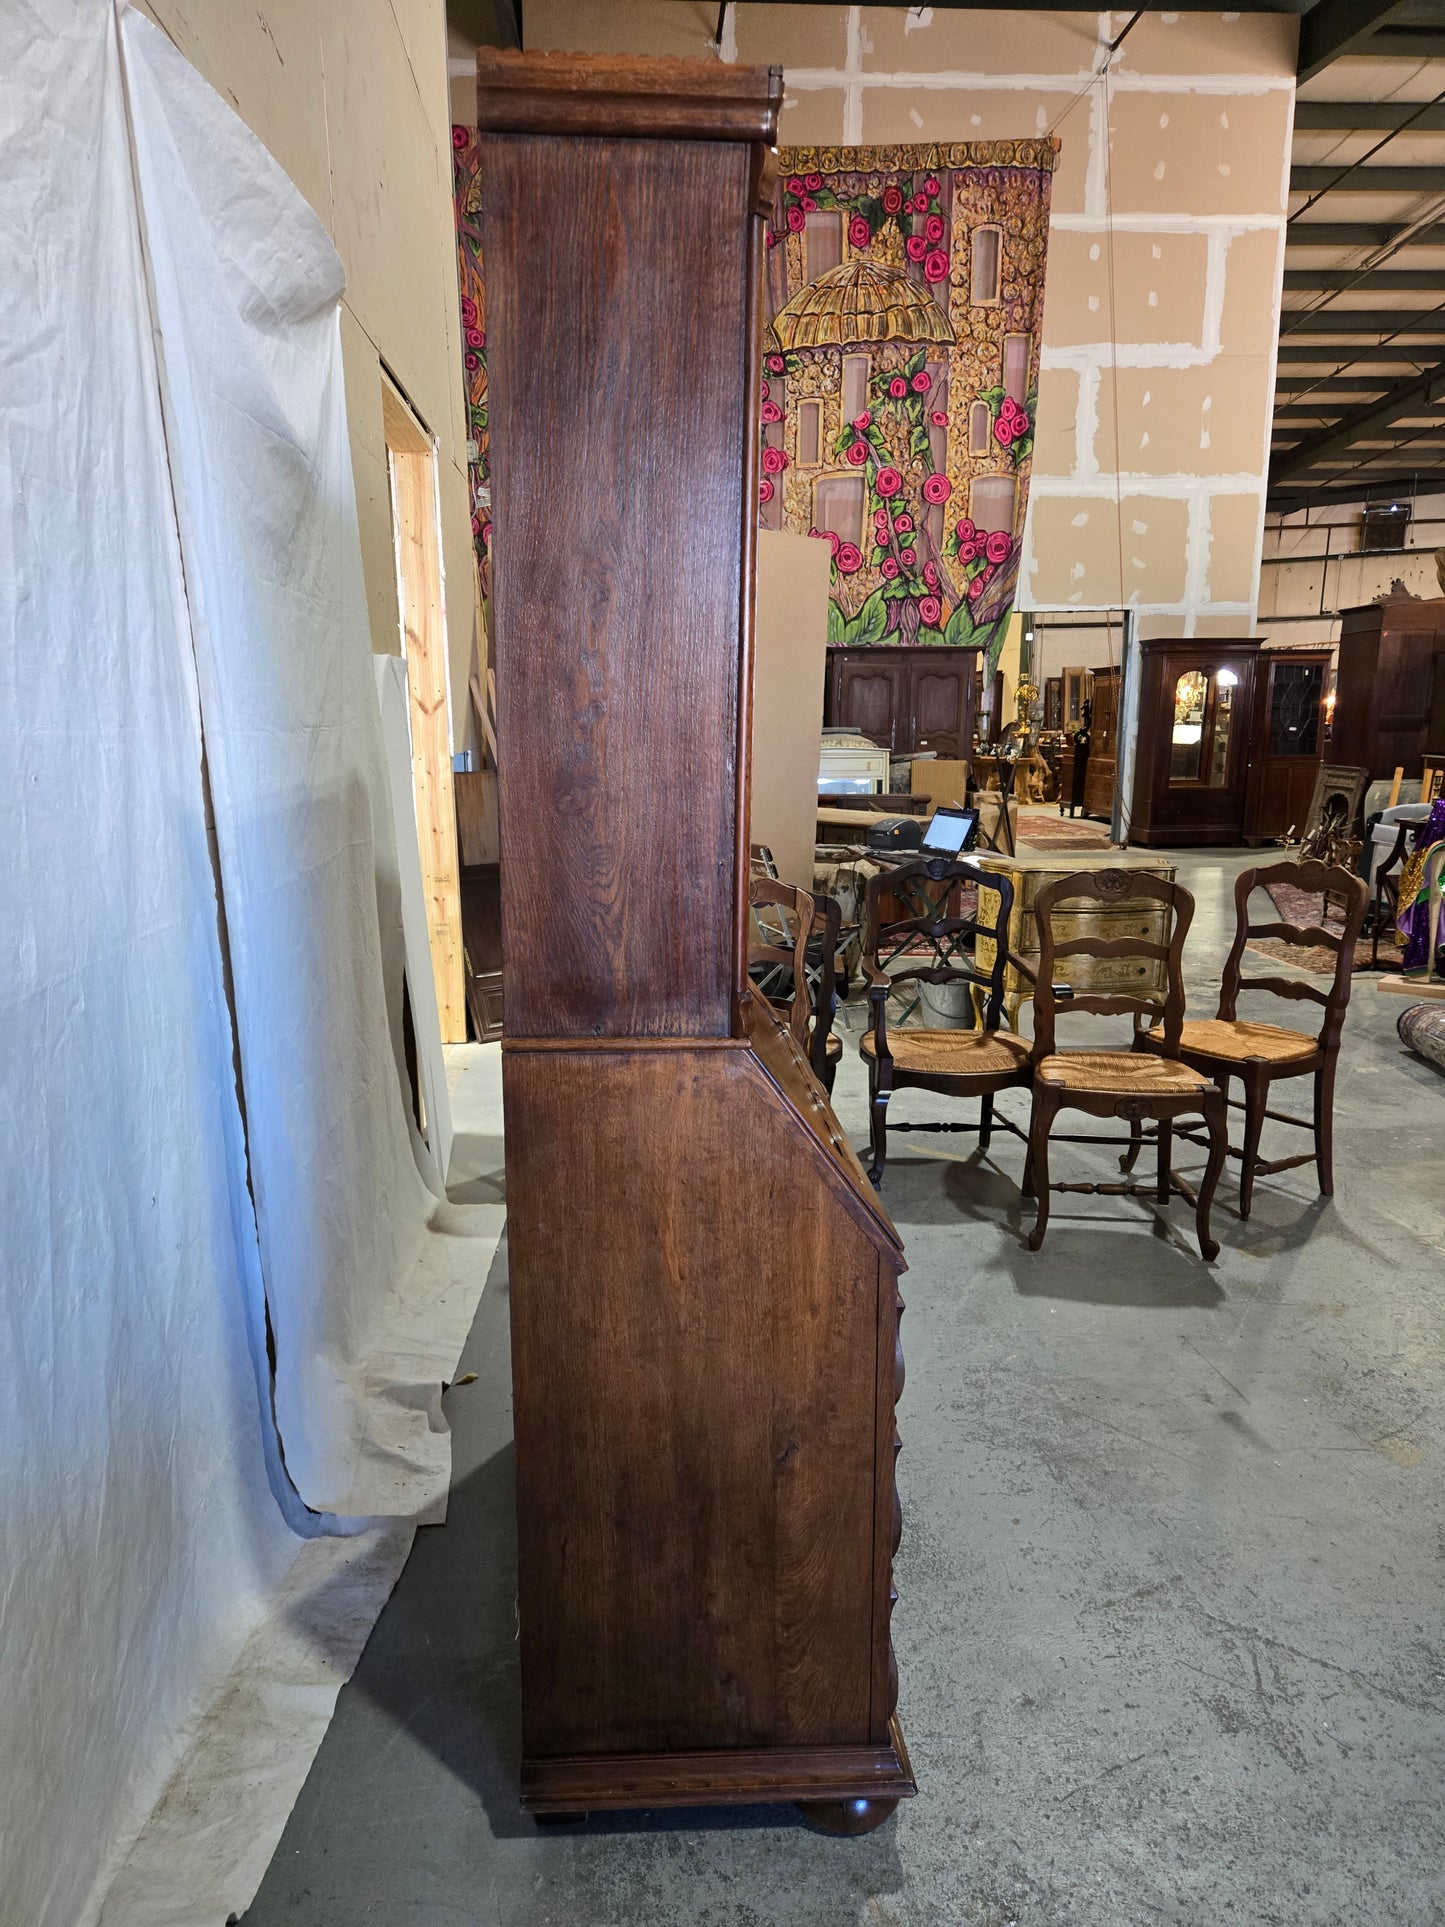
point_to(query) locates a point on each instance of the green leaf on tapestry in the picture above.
(871, 622)
(959, 627)
(930, 637)
(918, 444)
(993, 396)
(914, 364)
(837, 623)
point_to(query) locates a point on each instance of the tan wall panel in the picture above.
(1212, 43)
(684, 27)
(977, 42)
(1207, 153)
(940, 114)
(1230, 628)
(1155, 291)
(464, 100)
(1186, 421)
(393, 204)
(1075, 541)
(1251, 270)
(1233, 534)
(1055, 441)
(373, 487)
(270, 71)
(811, 117)
(789, 36)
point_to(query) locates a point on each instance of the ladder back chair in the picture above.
(791, 960)
(1227, 1045)
(958, 1063)
(1107, 1083)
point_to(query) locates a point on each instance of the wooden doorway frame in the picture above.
(416, 522)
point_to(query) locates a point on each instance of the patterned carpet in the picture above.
(1044, 829)
(1303, 907)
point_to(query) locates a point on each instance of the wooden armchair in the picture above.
(959, 1063)
(1106, 1083)
(792, 962)
(1227, 1046)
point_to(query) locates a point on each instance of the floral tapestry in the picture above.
(904, 295)
(465, 154)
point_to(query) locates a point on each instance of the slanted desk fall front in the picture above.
(704, 1300)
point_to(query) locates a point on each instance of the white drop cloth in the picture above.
(168, 587)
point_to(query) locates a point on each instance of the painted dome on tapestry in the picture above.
(861, 301)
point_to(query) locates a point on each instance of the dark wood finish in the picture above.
(1390, 685)
(908, 699)
(1172, 811)
(890, 803)
(847, 1819)
(1102, 763)
(958, 1064)
(704, 1286)
(1287, 741)
(601, 852)
(623, 95)
(1255, 1055)
(870, 1776)
(1117, 1095)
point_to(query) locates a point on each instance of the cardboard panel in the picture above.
(1186, 421)
(1233, 534)
(789, 658)
(1153, 291)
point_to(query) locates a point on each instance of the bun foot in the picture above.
(845, 1817)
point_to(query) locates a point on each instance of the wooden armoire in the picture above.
(703, 1284)
(908, 699)
(1191, 756)
(1390, 685)
(1287, 741)
(1102, 767)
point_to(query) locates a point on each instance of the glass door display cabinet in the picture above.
(1191, 764)
(1287, 743)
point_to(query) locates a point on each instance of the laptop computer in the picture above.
(949, 832)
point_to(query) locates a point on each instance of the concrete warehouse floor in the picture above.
(1170, 1626)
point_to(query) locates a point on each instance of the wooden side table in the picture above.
(1130, 917)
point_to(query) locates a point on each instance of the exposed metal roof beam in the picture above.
(1406, 43)
(1335, 27)
(1359, 424)
(1327, 353)
(1365, 116)
(1362, 321)
(1369, 280)
(1393, 488)
(1361, 234)
(1367, 180)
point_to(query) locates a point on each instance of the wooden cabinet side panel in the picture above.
(618, 348)
(694, 1333)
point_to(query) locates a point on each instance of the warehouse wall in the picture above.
(1162, 303)
(350, 96)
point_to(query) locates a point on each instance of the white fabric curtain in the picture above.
(181, 1158)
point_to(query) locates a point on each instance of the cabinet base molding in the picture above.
(728, 1777)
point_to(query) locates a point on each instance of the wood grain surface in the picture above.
(698, 1487)
(624, 95)
(616, 359)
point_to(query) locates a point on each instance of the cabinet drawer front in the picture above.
(1146, 926)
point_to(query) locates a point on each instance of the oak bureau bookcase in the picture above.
(704, 1287)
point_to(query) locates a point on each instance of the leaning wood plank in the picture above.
(424, 629)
